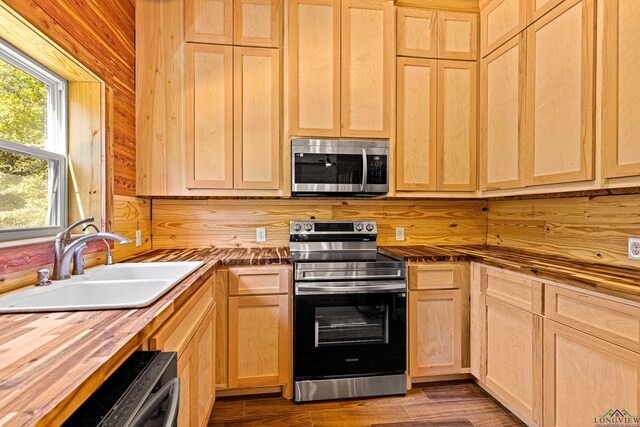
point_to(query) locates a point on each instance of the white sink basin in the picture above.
(130, 285)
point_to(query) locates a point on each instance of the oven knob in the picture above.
(297, 227)
(358, 227)
(308, 227)
(369, 227)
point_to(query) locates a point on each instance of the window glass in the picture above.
(33, 169)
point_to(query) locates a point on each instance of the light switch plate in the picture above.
(261, 234)
(138, 238)
(400, 234)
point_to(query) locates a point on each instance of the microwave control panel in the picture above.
(376, 169)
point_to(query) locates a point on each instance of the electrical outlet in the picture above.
(261, 234)
(634, 248)
(400, 234)
(138, 238)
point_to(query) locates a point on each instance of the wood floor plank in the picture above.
(497, 420)
(228, 409)
(442, 392)
(359, 417)
(449, 410)
(280, 405)
(461, 422)
(295, 419)
(413, 396)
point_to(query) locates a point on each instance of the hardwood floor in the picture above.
(450, 404)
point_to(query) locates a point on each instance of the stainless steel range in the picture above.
(349, 312)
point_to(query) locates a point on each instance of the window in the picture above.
(33, 147)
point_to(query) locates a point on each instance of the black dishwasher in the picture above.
(143, 391)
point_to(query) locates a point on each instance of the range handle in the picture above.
(363, 287)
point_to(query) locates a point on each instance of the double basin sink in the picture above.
(117, 286)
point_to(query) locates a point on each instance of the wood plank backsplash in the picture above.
(229, 223)
(592, 228)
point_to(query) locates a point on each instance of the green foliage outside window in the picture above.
(23, 180)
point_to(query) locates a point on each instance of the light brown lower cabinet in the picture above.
(258, 340)
(586, 377)
(513, 357)
(254, 344)
(435, 332)
(191, 332)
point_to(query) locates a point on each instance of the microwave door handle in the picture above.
(364, 169)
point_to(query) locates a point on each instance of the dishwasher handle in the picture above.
(171, 392)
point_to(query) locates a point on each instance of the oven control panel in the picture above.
(333, 227)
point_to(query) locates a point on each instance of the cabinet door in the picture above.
(417, 33)
(366, 68)
(499, 22)
(416, 121)
(513, 357)
(314, 68)
(585, 378)
(204, 378)
(457, 35)
(621, 91)
(185, 372)
(208, 21)
(257, 23)
(560, 91)
(456, 133)
(256, 118)
(537, 8)
(435, 332)
(502, 115)
(209, 116)
(258, 340)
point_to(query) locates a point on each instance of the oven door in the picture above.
(319, 167)
(345, 334)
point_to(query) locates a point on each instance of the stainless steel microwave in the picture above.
(339, 167)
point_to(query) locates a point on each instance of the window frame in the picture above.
(57, 143)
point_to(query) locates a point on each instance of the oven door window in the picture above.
(328, 168)
(352, 325)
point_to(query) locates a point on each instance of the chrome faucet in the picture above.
(63, 251)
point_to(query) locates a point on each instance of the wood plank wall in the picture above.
(101, 36)
(592, 228)
(229, 223)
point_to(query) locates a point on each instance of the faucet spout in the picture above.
(62, 262)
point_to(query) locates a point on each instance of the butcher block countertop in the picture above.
(617, 281)
(50, 362)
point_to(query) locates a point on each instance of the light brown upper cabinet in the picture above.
(560, 94)
(257, 23)
(208, 21)
(416, 124)
(209, 116)
(457, 35)
(417, 33)
(314, 67)
(232, 117)
(366, 68)
(456, 125)
(502, 115)
(240, 22)
(537, 8)
(436, 125)
(256, 118)
(621, 91)
(499, 22)
(340, 69)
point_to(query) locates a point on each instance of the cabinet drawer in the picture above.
(259, 280)
(513, 289)
(613, 321)
(435, 276)
(176, 333)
